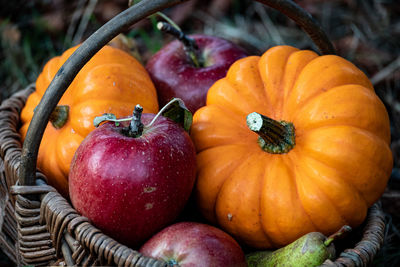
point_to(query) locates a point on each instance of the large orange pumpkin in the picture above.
(316, 157)
(111, 82)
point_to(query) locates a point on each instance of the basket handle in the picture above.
(121, 22)
(305, 21)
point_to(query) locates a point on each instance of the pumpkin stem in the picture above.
(190, 46)
(275, 137)
(59, 116)
(342, 231)
(135, 128)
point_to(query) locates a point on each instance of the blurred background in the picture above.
(366, 32)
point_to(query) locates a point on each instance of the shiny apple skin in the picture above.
(130, 188)
(174, 75)
(192, 244)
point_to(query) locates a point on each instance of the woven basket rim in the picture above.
(64, 225)
(10, 149)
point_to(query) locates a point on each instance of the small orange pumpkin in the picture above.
(313, 157)
(111, 82)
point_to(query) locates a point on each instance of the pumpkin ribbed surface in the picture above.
(338, 167)
(111, 82)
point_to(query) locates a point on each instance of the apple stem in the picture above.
(191, 48)
(135, 128)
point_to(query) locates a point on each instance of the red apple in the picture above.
(194, 244)
(131, 181)
(174, 74)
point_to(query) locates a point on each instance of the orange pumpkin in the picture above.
(111, 82)
(316, 157)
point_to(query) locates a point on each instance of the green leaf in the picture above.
(178, 112)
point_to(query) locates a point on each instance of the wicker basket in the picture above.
(39, 227)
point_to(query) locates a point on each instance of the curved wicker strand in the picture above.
(42, 246)
(10, 152)
(10, 144)
(35, 242)
(363, 253)
(8, 232)
(101, 37)
(69, 235)
(67, 222)
(93, 246)
(305, 21)
(67, 73)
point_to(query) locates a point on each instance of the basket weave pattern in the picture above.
(8, 233)
(10, 151)
(50, 230)
(39, 227)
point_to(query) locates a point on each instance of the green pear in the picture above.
(309, 250)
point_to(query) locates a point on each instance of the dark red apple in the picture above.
(174, 73)
(133, 180)
(194, 244)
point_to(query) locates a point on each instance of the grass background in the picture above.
(366, 32)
